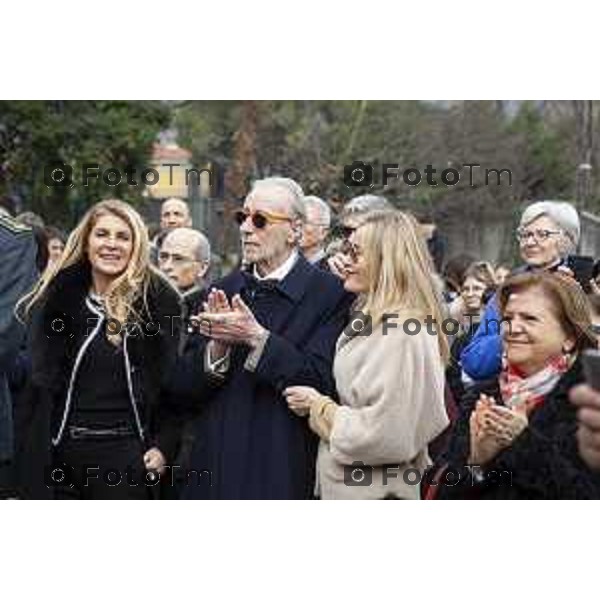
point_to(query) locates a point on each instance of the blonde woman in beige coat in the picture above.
(389, 375)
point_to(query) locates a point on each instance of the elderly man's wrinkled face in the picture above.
(177, 259)
(270, 230)
(314, 230)
(174, 213)
(541, 242)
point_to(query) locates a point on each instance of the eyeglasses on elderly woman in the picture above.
(537, 235)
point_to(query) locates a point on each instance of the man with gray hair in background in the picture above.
(184, 258)
(261, 331)
(315, 231)
(174, 213)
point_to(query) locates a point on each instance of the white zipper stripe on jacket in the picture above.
(130, 387)
(78, 359)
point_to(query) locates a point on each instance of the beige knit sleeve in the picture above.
(320, 419)
(401, 408)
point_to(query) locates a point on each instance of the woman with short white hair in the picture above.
(548, 232)
(352, 215)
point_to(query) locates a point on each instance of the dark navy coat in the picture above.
(17, 276)
(246, 437)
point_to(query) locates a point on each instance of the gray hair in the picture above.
(201, 251)
(30, 219)
(365, 203)
(562, 213)
(293, 189)
(323, 208)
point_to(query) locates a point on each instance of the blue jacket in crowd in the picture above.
(481, 359)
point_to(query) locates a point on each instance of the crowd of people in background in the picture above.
(344, 357)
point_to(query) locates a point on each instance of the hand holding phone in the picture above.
(591, 368)
(582, 268)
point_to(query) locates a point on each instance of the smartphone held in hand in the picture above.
(591, 368)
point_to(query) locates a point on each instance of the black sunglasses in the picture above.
(351, 250)
(346, 231)
(260, 218)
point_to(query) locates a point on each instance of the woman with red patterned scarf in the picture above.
(516, 436)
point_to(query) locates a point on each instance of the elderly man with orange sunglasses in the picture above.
(261, 330)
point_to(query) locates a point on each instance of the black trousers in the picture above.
(109, 468)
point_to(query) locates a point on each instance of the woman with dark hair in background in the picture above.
(56, 244)
(477, 286)
(453, 275)
(501, 272)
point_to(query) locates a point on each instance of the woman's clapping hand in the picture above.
(299, 399)
(493, 428)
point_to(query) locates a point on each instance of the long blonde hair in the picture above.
(399, 270)
(125, 288)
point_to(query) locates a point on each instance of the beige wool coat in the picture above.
(391, 390)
